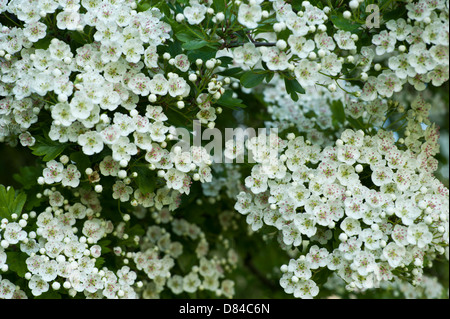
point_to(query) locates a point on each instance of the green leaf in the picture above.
(204, 53)
(146, 179)
(28, 176)
(49, 295)
(293, 88)
(43, 43)
(355, 124)
(251, 79)
(81, 160)
(338, 112)
(47, 148)
(228, 101)
(394, 14)
(345, 24)
(219, 5)
(194, 44)
(184, 36)
(17, 262)
(232, 72)
(10, 203)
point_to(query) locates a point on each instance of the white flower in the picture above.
(331, 64)
(35, 31)
(53, 172)
(177, 86)
(249, 16)
(94, 228)
(159, 85)
(195, 14)
(81, 106)
(351, 226)
(291, 235)
(418, 11)
(182, 62)
(247, 54)
(14, 233)
(140, 84)
(123, 149)
(324, 42)
(301, 268)
(151, 57)
(344, 40)
(71, 176)
(317, 257)
(420, 58)
(306, 72)
(37, 285)
(419, 234)
(382, 175)
(300, 46)
(364, 262)
(133, 49)
(274, 58)
(92, 142)
(401, 66)
(296, 24)
(306, 224)
(394, 254)
(385, 42)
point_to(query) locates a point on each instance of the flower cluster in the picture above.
(367, 208)
(63, 249)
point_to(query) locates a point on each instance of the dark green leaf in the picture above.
(28, 176)
(184, 36)
(10, 203)
(345, 24)
(219, 5)
(251, 79)
(194, 44)
(204, 53)
(228, 101)
(293, 88)
(17, 262)
(47, 148)
(146, 179)
(232, 72)
(81, 160)
(337, 109)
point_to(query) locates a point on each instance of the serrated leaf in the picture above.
(338, 112)
(194, 44)
(293, 88)
(28, 176)
(205, 53)
(146, 179)
(345, 24)
(232, 72)
(17, 262)
(47, 148)
(251, 79)
(228, 101)
(10, 203)
(184, 36)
